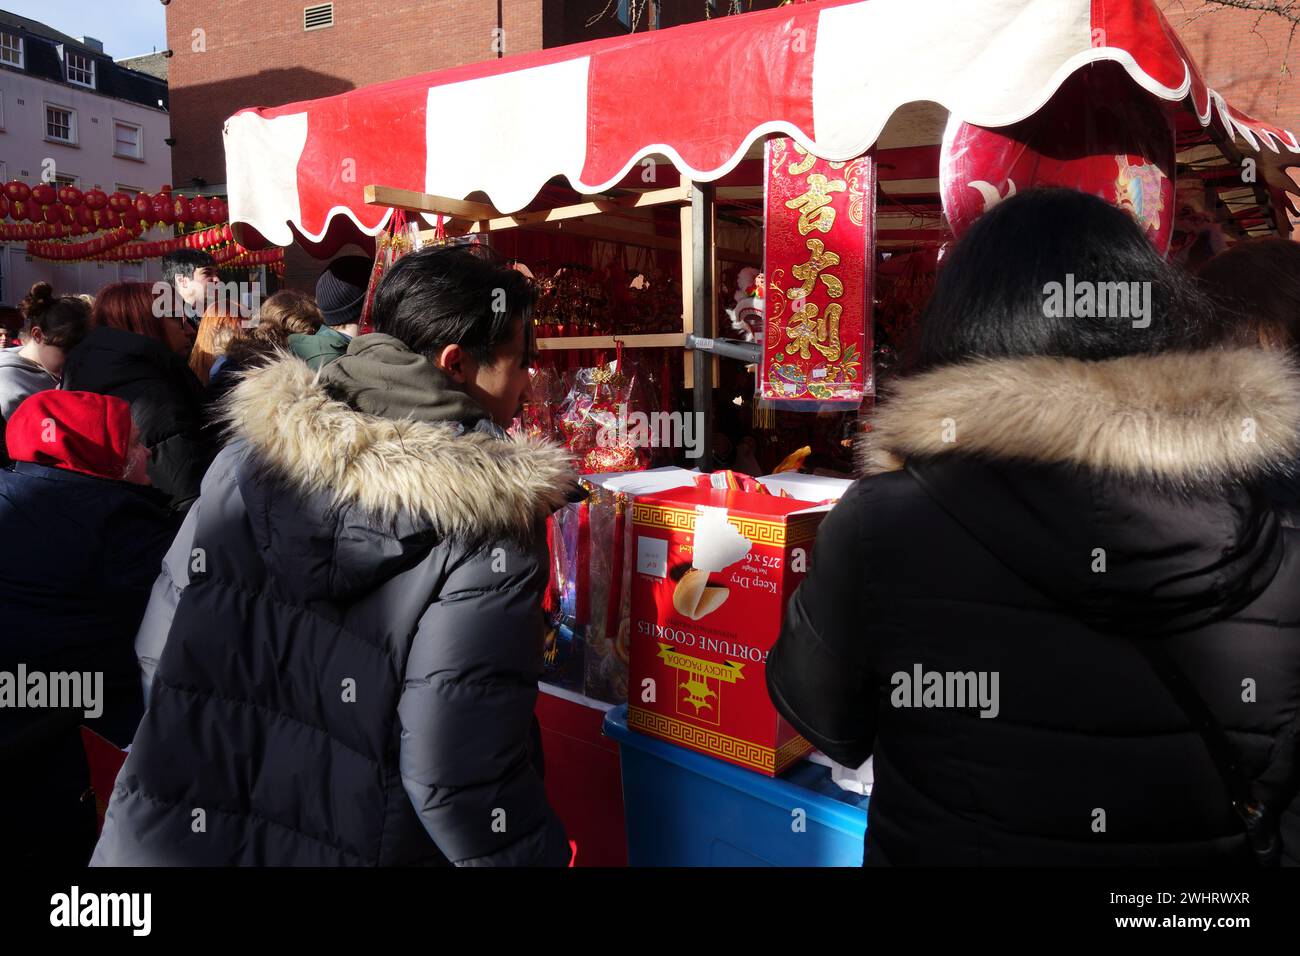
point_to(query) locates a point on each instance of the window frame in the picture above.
(72, 124)
(67, 68)
(139, 140)
(21, 48)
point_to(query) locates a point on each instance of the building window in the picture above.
(318, 17)
(81, 69)
(11, 49)
(60, 124)
(126, 140)
(62, 179)
(129, 190)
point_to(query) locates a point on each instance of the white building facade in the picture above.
(69, 113)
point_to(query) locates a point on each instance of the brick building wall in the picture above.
(1245, 57)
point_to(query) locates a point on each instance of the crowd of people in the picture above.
(310, 562)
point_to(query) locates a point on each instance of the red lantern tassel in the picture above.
(615, 606)
(551, 598)
(582, 566)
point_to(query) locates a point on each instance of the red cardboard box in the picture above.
(714, 568)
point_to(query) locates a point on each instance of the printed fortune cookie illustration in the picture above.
(717, 545)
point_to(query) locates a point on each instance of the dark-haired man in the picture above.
(344, 645)
(192, 274)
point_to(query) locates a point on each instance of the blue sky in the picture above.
(127, 27)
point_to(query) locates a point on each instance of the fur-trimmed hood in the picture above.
(1129, 490)
(462, 484)
(1181, 419)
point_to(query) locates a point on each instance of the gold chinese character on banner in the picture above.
(814, 205)
(808, 329)
(808, 161)
(812, 270)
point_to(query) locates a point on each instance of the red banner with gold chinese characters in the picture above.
(819, 270)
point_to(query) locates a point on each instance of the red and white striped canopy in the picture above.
(829, 73)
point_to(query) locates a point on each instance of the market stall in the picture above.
(837, 145)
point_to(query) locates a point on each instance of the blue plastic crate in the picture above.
(686, 809)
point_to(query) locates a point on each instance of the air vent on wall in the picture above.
(318, 17)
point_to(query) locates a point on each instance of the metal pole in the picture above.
(702, 212)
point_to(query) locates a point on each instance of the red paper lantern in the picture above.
(85, 217)
(119, 201)
(4, 206)
(69, 195)
(201, 210)
(17, 191)
(161, 207)
(95, 198)
(143, 206)
(131, 219)
(44, 194)
(218, 209)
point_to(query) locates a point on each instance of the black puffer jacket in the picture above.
(353, 635)
(166, 403)
(79, 554)
(999, 492)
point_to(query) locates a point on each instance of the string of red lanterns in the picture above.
(94, 209)
(44, 212)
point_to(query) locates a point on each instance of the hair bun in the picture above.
(40, 298)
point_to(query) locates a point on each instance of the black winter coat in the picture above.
(79, 555)
(353, 634)
(1035, 519)
(166, 403)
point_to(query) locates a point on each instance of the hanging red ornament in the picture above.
(85, 216)
(201, 211)
(161, 209)
(69, 195)
(218, 209)
(44, 194)
(17, 191)
(95, 199)
(143, 205)
(4, 206)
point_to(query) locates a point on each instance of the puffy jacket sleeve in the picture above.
(466, 712)
(817, 672)
(151, 638)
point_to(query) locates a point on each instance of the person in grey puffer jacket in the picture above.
(342, 652)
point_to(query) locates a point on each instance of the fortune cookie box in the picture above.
(713, 570)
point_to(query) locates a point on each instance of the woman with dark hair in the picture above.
(1057, 607)
(140, 356)
(350, 673)
(52, 325)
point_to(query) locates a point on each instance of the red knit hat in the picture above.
(76, 431)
